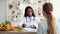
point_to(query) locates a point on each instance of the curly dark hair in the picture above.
(26, 10)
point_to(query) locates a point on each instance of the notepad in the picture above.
(30, 30)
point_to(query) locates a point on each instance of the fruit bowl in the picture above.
(5, 28)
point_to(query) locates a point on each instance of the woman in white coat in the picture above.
(29, 20)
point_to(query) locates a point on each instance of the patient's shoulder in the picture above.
(43, 23)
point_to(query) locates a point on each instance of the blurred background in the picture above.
(13, 10)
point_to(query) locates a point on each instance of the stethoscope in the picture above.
(30, 19)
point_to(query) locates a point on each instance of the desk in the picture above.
(10, 32)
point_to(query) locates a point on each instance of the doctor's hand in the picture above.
(33, 26)
(23, 25)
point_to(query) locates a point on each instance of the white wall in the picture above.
(56, 5)
(3, 10)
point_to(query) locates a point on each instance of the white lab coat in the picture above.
(29, 21)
